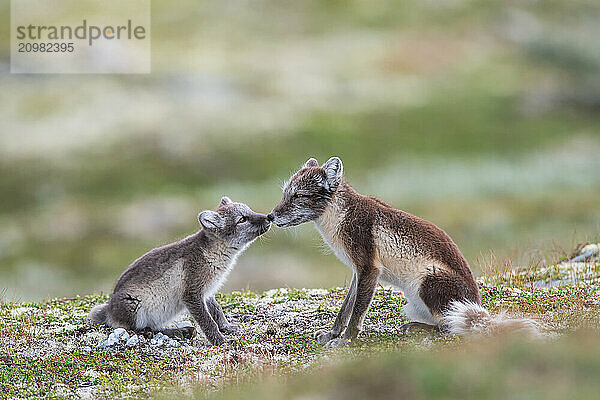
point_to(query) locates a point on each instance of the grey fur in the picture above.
(341, 321)
(98, 314)
(185, 275)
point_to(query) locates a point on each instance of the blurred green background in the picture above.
(483, 117)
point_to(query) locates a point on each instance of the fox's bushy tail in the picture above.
(465, 318)
(98, 314)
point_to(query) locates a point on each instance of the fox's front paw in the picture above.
(325, 336)
(231, 328)
(338, 342)
(217, 340)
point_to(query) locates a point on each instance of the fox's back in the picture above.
(155, 263)
(402, 235)
(407, 248)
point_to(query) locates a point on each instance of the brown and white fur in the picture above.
(186, 274)
(380, 242)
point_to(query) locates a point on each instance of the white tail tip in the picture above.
(465, 318)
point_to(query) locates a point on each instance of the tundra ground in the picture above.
(48, 351)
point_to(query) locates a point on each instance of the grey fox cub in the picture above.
(185, 274)
(379, 241)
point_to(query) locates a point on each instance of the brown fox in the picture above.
(380, 242)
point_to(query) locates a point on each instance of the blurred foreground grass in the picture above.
(505, 368)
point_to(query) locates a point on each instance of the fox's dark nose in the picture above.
(270, 217)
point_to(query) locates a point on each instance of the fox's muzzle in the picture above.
(285, 222)
(264, 228)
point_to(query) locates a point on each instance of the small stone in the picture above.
(109, 342)
(159, 339)
(120, 334)
(86, 349)
(133, 341)
(117, 336)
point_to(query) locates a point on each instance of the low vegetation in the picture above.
(48, 350)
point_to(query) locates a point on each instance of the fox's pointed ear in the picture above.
(224, 201)
(311, 162)
(333, 170)
(210, 220)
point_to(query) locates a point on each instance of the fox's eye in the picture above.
(242, 220)
(298, 195)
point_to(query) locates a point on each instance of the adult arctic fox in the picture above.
(184, 274)
(379, 241)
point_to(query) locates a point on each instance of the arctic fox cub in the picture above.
(379, 241)
(185, 274)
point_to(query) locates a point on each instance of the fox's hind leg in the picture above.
(417, 311)
(122, 311)
(186, 332)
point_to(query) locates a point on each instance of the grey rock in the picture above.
(117, 336)
(133, 341)
(120, 334)
(110, 341)
(159, 339)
